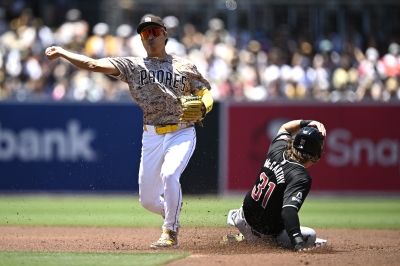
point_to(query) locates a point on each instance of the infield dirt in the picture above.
(345, 247)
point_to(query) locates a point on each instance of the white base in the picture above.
(319, 242)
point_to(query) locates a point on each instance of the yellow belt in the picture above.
(167, 128)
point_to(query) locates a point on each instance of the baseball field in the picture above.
(59, 229)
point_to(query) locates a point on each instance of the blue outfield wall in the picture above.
(69, 146)
(74, 147)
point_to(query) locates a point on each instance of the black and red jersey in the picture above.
(281, 183)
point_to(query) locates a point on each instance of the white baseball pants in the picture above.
(164, 157)
(236, 218)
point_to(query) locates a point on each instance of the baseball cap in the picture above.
(148, 21)
(310, 141)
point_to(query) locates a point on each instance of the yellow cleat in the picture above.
(168, 239)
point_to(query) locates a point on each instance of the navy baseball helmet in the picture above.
(310, 141)
(150, 20)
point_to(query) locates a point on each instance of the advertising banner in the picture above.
(65, 147)
(361, 152)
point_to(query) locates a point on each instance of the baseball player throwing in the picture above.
(269, 210)
(161, 85)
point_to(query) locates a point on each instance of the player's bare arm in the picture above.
(294, 126)
(96, 65)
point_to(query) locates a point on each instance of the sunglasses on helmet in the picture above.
(145, 34)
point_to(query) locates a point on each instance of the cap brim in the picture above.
(146, 24)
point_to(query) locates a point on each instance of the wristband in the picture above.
(207, 99)
(304, 123)
(297, 240)
(298, 243)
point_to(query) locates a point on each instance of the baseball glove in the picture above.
(192, 109)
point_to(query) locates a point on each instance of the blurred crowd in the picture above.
(240, 67)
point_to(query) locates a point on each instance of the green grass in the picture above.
(362, 213)
(119, 211)
(11, 258)
(200, 211)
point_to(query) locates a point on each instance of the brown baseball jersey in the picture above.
(155, 85)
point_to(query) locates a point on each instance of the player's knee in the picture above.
(171, 181)
(148, 204)
(310, 233)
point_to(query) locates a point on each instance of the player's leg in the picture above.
(150, 183)
(236, 218)
(284, 239)
(179, 147)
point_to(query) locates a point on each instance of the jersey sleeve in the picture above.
(279, 142)
(296, 191)
(197, 81)
(125, 67)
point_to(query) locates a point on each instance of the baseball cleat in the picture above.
(319, 242)
(168, 239)
(228, 239)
